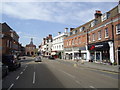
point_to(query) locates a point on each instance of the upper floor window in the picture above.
(82, 28)
(93, 23)
(73, 42)
(89, 38)
(79, 40)
(105, 16)
(106, 32)
(7, 43)
(93, 38)
(118, 29)
(99, 35)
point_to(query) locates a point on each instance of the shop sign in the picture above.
(99, 46)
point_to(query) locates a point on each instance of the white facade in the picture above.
(46, 46)
(58, 43)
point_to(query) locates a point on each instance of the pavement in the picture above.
(94, 65)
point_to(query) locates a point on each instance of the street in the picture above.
(57, 74)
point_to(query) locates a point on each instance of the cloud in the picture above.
(59, 12)
(60, 0)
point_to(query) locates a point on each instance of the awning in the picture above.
(53, 53)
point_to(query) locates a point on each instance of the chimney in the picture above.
(97, 13)
(59, 33)
(66, 30)
(50, 36)
(71, 29)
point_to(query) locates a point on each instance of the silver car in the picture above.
(38, 59)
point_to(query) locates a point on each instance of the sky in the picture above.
(39, 19)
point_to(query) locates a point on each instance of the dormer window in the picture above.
(82, 28)
(105, 16)
(93, 23)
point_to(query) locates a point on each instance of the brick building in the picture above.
(30, 49)
(98, 39)
(9, 43)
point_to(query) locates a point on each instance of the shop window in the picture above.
(118, 29)
(99, 35)
(106, 33)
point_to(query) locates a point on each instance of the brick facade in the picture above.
(89, 40)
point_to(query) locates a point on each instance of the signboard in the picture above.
(99, 46)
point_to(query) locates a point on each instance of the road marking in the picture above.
(17, 77)
(93, 87)
(67, 74)
(34, 78)
(77, 82)
(10, 86)
(21, 73)
(24, 70)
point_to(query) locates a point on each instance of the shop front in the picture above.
(100, 52)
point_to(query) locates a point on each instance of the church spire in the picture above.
(31, 41)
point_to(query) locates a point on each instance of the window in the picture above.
(7, 43)
(89, 38)
(93, 37)
(79, 41)
(105, 16)
(93, 23)
(82, 28)
(67, 43)
(118, 29)
(99, 35)
(73, 42)
(106, 32)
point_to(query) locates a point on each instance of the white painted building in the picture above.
(46, 46)
(58, 44)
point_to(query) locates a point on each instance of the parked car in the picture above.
(38, 59)
(4, 69)
(51, 57)
(11, 62)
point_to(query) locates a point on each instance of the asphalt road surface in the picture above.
(56, 74)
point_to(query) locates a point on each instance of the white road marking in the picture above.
(10, 86)
(34, 78)
(93, 87)
(21, 73)
(67, 74)
(77, 82)
(17, 77)
(24, 70)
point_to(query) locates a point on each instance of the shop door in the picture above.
(119, 55)
(98, 56)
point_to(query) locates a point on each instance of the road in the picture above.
(57, 74)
